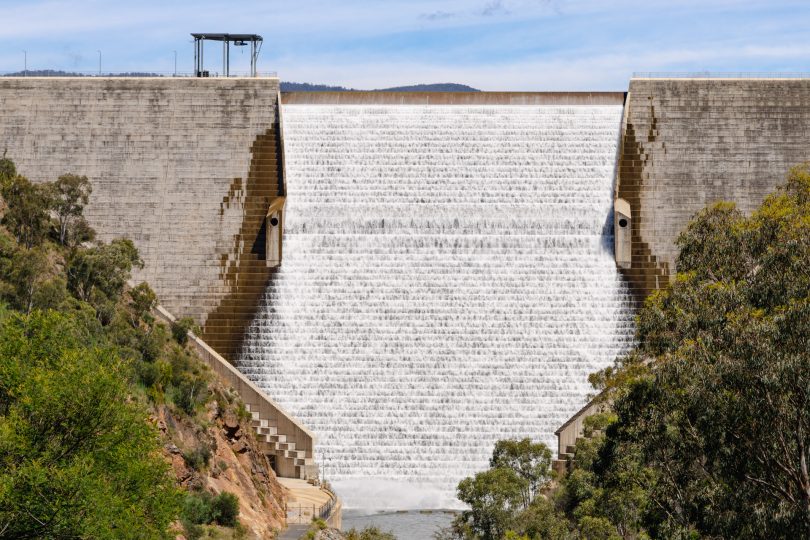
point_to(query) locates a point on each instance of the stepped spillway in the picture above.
(448, 281)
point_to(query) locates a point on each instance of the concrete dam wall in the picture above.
(688, 143)
(183, 167)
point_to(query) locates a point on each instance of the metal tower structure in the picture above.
(239, 40)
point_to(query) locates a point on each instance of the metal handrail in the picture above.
(300, 514)
(720, 75)
(134, 74)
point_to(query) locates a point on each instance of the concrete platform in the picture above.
(303, 500)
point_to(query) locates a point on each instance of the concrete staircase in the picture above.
(281, 436)
(287, 457)
(565, 460)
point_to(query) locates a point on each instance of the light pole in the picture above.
(175, 63)
(25, 63)
(99, 62)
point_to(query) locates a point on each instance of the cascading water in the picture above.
(448, 281)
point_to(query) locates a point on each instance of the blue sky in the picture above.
(489, 44)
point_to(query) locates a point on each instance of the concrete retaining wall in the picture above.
(691, 142)
(180, 166)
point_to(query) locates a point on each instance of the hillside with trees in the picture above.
(110, 426)
(438, 87)
(708, 429)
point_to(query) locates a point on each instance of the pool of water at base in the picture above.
(405, 525)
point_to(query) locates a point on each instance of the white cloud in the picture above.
(594, 72)
(490, 44)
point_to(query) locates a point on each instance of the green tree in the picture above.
(7, 169)
(76, 460)
(493, 497)
(542, 521)
(142, 300)
(530, 460)
(181, 328)
(714, 423)
(70, 194)
(27, 214)
(97, 275)
(225, 509)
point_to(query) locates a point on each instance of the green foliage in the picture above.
(369, 533)
(225, 507)
(7, 169)
(24, 274)
(28, 214)
(189, 382)
(78, 456)
(541, 520)
(202, 508)
(531, 461)
(182, 327)
(711, 433)
(142, 300)
(69, 194)
(97, 275)
(199, 457)
(493, 496)
(68, 442)
(505, 500)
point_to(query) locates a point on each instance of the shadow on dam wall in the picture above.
(689, 143)
(244, 269)
(646, 272)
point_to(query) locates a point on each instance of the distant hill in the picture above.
(307, 87)
(439, 87)
(285, 86)
(60, 73)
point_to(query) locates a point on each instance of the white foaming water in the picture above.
(448, 281)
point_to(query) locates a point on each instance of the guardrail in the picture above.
(302, 514)
(166, 74)
(720, 75)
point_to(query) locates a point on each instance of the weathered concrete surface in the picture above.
(690, 142)
(183, 167)
(452, 98)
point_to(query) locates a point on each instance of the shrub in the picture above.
(199, 457)
(197, 508)
(148, 373)
(203, 508)
(369, 533)
(181, 328)
(225, 509)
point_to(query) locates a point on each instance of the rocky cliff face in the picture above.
(219, 452)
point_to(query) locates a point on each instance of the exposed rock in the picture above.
(231, 422)
(236, 464)
(329, 534)
(172, 448)
(240, 447)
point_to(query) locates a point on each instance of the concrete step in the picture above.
(269, 430)
(258, 423)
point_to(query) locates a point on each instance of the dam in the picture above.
(452, 270)
(448, 281)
